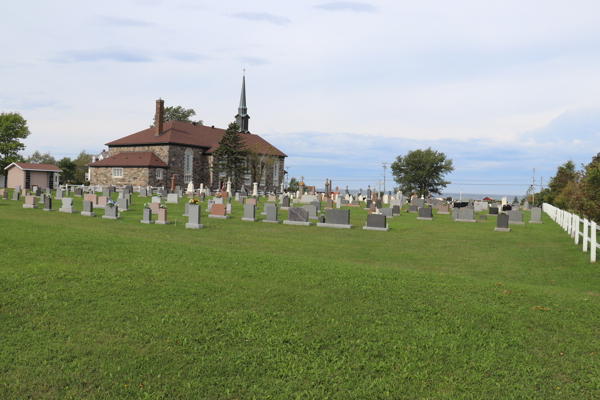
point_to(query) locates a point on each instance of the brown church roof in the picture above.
(131, 159)
(176, 132)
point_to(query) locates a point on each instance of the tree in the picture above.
(80, 166)
(583, 194)
(293, 185)
(564, 174)
(179, 114)
(69, 168)
(260, 165)
(515, 200)
(230, 157)
(39, 158)
(422, 171)
(13, 127)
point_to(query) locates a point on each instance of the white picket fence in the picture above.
(571, 223)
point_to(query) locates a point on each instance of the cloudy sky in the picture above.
(340, 87)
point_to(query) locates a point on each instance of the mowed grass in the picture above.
(96, 309)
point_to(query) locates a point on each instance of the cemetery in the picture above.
(168, 276)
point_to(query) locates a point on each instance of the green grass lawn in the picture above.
(95, 308)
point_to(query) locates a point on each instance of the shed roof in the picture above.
(35, 167)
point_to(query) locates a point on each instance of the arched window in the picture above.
(188, 163)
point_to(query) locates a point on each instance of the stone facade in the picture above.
(174, 157)
(131, 176)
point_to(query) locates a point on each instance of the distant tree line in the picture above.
(574, 190)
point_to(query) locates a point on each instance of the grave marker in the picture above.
(88, 209)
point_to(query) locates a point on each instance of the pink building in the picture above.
(28, 175)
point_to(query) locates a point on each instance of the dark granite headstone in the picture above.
(395, 210)
(341, 217)
(376, 221)
(502, 221)
(413, 208)
(493, 211)
(425, 212)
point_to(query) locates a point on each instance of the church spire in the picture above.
(242, 116)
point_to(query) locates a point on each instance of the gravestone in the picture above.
(388, 212)
(515, 217)
(502, 223)
(455, 213)
(123, 204)
(143, 192)
(4, 194)
(88, 209)
(312, 211)
(209, 205)
(376, 222)
(30, 202)
(483, 217)
(329, 203)
(338, 202)
(106, 193)
(425, 214)
(271, 198)
(18, 188)
(147, 216)
(78, 192)
(339, 219)
(173, 198)
(59, 194)
(413, 208)
(67, 206)
(466, 215)
(219, 211)
(154, 207)
(48, 203)
(443, 209)
(536, 215)
(317, 204)
(395, 210)
(229, 207)
(297, 216)
(163, 217)
(194, 217)
(418, 202)
(249, 213)
(285, 202)
(163, 192)
(102, 202)
(111, 211)
(251, 201)
(92, 198)
(493, 211)
(378, 203)
(344, 202)
(218, 200)
(272, 214)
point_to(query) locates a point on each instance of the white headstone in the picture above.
(255, 189)
(229, 186)
(190, 188)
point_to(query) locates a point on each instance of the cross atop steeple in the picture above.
(242, 116)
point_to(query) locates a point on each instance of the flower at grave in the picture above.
(111, 203)
(162, 206)
(159, 195)
(146, 205)
(218, 195)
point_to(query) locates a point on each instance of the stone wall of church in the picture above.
(200, 173)
(131, 176)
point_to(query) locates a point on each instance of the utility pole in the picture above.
(533, 186)
(287, 177)
(384, 168)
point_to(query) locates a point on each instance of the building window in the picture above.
(188, 162)
(117, 172)
(187, 179)
(158, 173)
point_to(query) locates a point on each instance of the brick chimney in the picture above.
(160, 116)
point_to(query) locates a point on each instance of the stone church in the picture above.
(151, 157)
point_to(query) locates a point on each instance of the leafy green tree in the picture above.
(69, 168)
(39, 158)
(13, 127)
(515, 200)
(293, 185)
(260, 165)
(583, 194)
(564, 174)
(80, 166)
(422, 172)
(179, 114)
(230, 157)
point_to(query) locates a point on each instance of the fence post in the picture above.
(585, 235)
(576, 229)
(593, 243)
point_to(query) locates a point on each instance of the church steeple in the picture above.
(242, 116)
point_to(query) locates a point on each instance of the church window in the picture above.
(188, 162)
(117, 172)
(158, 173)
